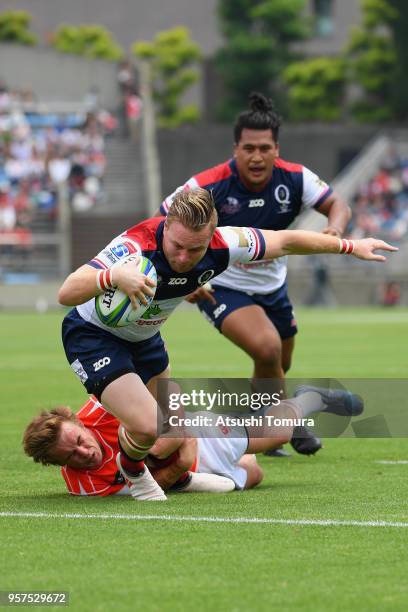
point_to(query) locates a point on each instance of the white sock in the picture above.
(307, 403)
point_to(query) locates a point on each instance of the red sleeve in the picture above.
(80, 482)
(214, 175)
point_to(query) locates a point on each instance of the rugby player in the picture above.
(86, 446)
(249, 303)
(120, 366)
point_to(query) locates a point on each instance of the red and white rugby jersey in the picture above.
(106, 479)
(292, 189)
(228, 245)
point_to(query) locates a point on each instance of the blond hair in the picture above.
(193, 208)
(42, 434)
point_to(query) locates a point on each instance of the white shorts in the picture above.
(221, 456)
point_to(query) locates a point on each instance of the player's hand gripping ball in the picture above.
(114, 307)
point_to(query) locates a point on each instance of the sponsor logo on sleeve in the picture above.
(242, 237)
(123, 249)
(109, 256)
(120, 250)
(321, 183)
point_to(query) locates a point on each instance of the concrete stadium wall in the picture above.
(91, 233)
(325, 149)
(56, 76)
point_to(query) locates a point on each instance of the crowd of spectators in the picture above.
(380, 206)
(40, 153)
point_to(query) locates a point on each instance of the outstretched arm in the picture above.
(299, 242)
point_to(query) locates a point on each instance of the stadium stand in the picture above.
(47, 153)
(380, 206)
(375, 184)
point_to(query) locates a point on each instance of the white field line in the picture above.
(399, 462)
(205, 519)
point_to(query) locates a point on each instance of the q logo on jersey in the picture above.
(282, 196)
(205, 277)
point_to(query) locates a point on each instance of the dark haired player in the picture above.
(249, 303)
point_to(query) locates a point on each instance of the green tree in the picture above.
(258, 46)
(316, 89)
(14, 27)
(372, 61)
(171, 55)
(93, 41)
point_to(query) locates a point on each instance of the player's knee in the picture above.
(255, 475)
(150, 433)
(146, 435)
(268, 353)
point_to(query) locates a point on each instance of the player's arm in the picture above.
(319, 195)
(338, 214)
(173, 457)
(86, 282)
(79, 287)
(299, 242)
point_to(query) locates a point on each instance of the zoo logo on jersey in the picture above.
(282, 196)
(256, 203)
(101, 363)
(177, 280)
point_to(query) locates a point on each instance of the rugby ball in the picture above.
(114, 307)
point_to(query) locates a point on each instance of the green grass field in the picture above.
(206, 552)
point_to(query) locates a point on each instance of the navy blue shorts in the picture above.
(98, 357)
(276, 306)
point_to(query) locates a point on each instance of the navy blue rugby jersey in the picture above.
(228, 245)
(292, 189)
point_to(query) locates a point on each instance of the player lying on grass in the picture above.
(86, 445)
(118, 365)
